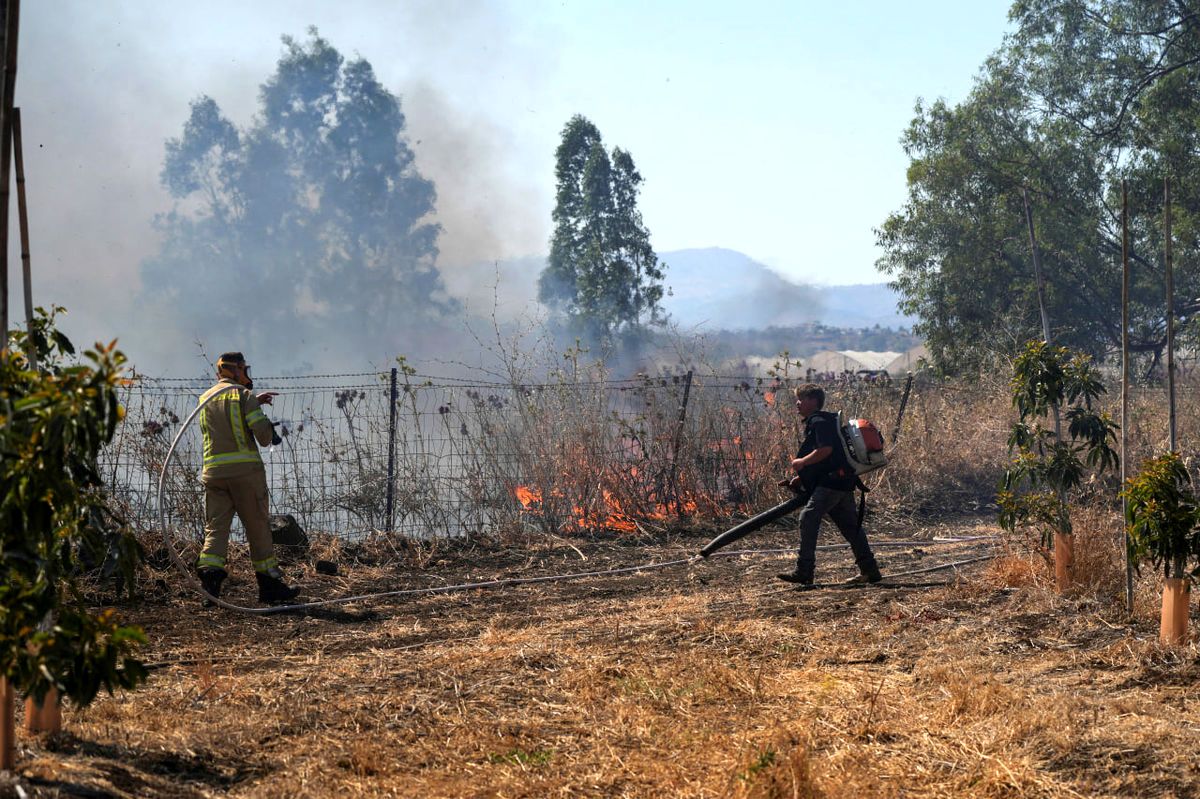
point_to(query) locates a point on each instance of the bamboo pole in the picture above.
(12, 13)
(1125, 388)
(11, 17)
(23, 224)
(1170, 270)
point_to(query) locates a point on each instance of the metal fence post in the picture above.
(687, 390)
(391, 473)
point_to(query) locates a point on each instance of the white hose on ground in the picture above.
(194, 583)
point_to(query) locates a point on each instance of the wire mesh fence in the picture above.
(431, 457)
(428, 457)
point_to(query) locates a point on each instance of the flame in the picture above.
(769, 398)
(528, 496)
(606, 511)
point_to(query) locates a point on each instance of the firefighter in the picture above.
(235, 480)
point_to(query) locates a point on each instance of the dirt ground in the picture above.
(697, 680)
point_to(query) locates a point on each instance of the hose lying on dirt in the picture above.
(193, 581)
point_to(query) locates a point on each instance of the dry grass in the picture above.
(705, 681)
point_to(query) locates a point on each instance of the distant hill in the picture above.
(710, 289)
(716, 289)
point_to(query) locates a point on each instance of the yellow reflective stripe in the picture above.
(204, 432)
(266, 565)
(238, 424)
(231, 457)
(211, 560)
(226, 406)
(255, 416)
(204, 416)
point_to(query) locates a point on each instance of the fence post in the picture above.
(391, 474)
(903, 404)
(687, 390)
(23, 216)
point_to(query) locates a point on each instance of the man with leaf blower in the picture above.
(235, 481)
(824, 476)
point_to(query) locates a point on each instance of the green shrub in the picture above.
(53, 422)
(1161, 516)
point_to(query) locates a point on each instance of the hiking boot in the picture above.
(210, 580)
(272, 588)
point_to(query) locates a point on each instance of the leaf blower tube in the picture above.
(755, 522)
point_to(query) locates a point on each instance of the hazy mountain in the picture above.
(711, 289)
(724, 289)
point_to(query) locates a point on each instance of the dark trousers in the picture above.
(839, 505)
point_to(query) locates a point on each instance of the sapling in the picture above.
(53, 422)
(1161, 516)
(1050, 384)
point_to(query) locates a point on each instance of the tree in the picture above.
(310, 224)
(602, 271)
(1078, 98)
(53, 423)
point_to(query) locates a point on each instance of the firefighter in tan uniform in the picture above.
(235, 480)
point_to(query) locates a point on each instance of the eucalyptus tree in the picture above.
(602, 272)
(308, 228)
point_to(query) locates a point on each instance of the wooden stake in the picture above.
(1173, 624)
(8, 728)
(908, 381)
(23, 219)
(12, 14)
(1168, 263)
(1125, 386)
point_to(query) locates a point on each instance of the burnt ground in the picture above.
(701, 679)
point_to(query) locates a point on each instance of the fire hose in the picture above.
(720, 541)
(194, 583)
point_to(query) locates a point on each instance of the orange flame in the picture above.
(606, 512)
(528, 496)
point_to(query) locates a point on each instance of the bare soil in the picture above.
(700, 680)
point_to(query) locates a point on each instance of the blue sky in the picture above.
(769, 128)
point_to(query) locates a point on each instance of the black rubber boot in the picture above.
(868, 572)
(272, 589)
(802, 577)
(210, 580)
(871, 572)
